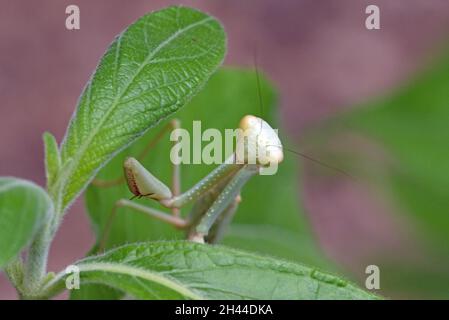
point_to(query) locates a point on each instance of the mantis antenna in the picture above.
(279, 145)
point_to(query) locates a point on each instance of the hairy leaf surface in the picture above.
(151, 70)
(186, 270)
(24, 208)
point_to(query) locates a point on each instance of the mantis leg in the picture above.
(203, 204)
(173, 124)
(176, 178)
(159, 215)
(222, 202)
(223, 171)
(179, 223)
(144, 184)
(218, 228)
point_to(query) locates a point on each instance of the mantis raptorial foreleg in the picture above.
(222, 203)
(171, 125)
(215, 196)
(217, 231)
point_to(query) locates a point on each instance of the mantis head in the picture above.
(258, 143)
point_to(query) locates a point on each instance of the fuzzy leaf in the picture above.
(24, 208)
(151, 70)
(185, 270)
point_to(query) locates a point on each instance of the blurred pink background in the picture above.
(319, 54)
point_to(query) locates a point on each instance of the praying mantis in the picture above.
(216, 197)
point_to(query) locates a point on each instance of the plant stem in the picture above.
(36, 263)
(53, 286)
(35, 268)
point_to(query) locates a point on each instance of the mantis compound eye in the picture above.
(258, 143)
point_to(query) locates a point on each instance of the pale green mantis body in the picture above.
(216, 197)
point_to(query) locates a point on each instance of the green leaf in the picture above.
(91, 291)
(186, 270)
(219, 108)
(275, 241)
(150, 71)
(52, 158)
(24, 207)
